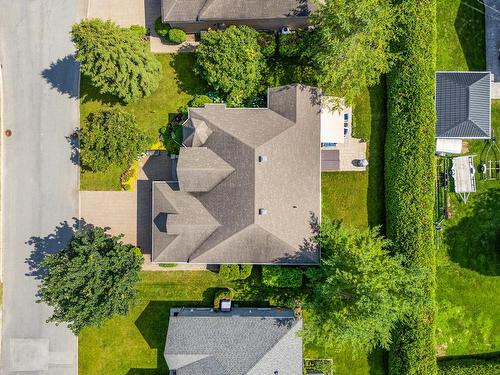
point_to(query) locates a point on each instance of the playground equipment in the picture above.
(489, 165)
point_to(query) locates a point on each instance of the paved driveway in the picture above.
(39, 181)
(125, 212)
(126, 12)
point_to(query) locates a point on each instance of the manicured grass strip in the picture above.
(460, 35)
(409, 175)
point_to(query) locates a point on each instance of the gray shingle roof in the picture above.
(463, 105)
(206, 10)
(239, 342)
(232, 183)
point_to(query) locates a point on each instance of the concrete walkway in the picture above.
(492, 31)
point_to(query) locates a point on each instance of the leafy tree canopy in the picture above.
(90, 280)
(231, 62)
(110, 136)
(350, 45)
(117, 60)
(360, 291)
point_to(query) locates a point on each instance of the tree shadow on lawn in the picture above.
(473, 241)
(90, 93)
(187, 80)
(469, 25)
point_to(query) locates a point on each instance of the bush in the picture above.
(199, 101)
(139, 30)
(177, 36)
(409, 175)
(222, 294)
(281, 277)
(290, 44)
(161, 28)
(232, 272)
(267, 43)
(469, 366)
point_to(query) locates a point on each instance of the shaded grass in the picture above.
(357, 198)
(460, 35)
(177, 87)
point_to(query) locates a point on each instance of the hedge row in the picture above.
(409, 174)
(469, 366)
(233, 272)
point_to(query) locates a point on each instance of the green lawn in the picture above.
(178, 85)
(357, 198)
(460, 35)
(468, 278)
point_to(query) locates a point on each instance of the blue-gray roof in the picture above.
(244, 341)
(463, 105)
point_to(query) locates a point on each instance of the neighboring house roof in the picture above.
(463, 105)
(257, 175)
(243, 341)
(207, 10)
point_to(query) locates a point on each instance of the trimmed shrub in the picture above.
(200, 100)
(222, 294)
(161, 28)
(409, 175)
(177, 36)
(139, 30)
(232, 272)
(281, 277)
(469, 366)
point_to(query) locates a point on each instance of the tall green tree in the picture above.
(117, 60)
(110, 136)
(360, 291)
(231, 62)
(90, 280)
(350, 45)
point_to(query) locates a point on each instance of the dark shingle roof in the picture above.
(243, 341)
(463, 105)
(206, 10)
(232, 183)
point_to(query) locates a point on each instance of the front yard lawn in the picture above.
(468, 281)
(177, 87)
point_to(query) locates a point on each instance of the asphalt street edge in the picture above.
(1, 197)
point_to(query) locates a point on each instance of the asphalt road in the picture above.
(40, 181)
